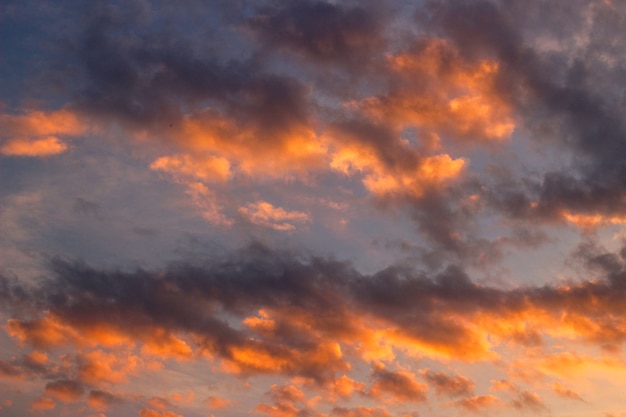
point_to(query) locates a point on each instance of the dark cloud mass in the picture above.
(550, 85)
(308, 301)
(324, 32)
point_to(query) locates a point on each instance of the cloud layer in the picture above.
(312, 208)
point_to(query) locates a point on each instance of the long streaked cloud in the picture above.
(306, 318)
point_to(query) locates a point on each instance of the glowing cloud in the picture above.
(265, 214)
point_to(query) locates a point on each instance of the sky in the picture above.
(312, 208)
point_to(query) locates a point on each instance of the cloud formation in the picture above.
(312, 208)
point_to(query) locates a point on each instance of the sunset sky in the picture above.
(312, 208)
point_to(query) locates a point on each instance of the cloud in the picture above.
(148, 412)
(207, 168)
(218, 403)
(389, 166)
(65, 390)
(396, 386)
(436, 89)
(98, 367)
(265, 214)
(478, 130)
(556, 87)
(287, 400)
(527, 400)
(477, 404)
(322, 32)
(102, 400)
(450, 385)
(43, 403)
(344, 387)
(306, 318)
(38, 147)
(565, 392)
(9, 371)
(159, 403)
(36, 133)
(360, 411)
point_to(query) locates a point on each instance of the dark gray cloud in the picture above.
(324, 32)
(561, 85)
(193, 299)
(450, 385)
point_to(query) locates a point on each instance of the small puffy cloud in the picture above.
(591, 220)
(396, 386)
(45, 333)
(450, 385)
(65, 390)
(148, 412)
(205, 168)
(477, 404)
(265, 214)
(36, 133)
(343, 387)
(360, 411)
(101, 400)
(288, 401)
(218, 403)
(9, 370)
(159, 403)
(97, 367)
(388, 164)
(38, 147)
(527, 400)
(503, 385)
(565, 392)
(42, 404)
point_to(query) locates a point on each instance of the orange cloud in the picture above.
(360, 412)
(201, 167)
(102, 400)
(98, 367)
(162, 343)
(478, 403)
(570, 364)
(159, 403)
(323, 358)
(285, 399)
(294, 148)
(503, 385)
(39, 147)
(589, 221)
(218, 403)
(206, 200)
(396, 386)
(45, 333)
(39, 123)
(265, 214)
(343, 387)
(451, 385)
(528, 400)
(412, 175)
(564, 392)
(36, 133)
(10, 371)
(37, 358)
(147, 412)
(42, 404)
(437, 90)
(65, 390)
(180, 398)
